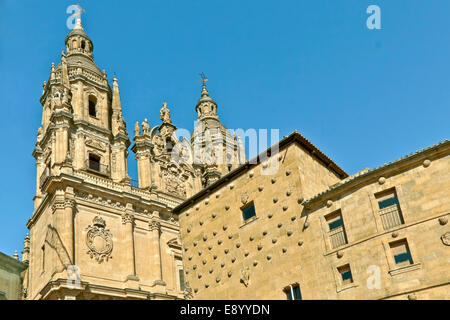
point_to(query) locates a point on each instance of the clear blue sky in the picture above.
(364, 97)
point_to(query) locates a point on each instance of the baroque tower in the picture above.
(185, 167)
(92, 234)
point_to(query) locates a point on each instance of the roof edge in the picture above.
(363, 175)
(294, 137)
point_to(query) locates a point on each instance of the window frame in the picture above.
(341, 272)
(393, 268)
(245, 207)
(406, 254)
(292, 288)
(329, 232)
(90, 161)
(93, 99)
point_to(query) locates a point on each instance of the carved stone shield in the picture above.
(99, 240)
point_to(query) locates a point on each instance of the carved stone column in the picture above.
(155, 235)
(128, 221)
(62, 232)
(68, 228)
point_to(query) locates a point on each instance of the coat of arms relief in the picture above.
(99, 240)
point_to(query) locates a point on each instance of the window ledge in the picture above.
(248, 222)
(411, 267)
(347, 286)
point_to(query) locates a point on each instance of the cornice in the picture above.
(141, 145)
(117, 292)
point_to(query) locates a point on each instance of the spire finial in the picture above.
(116, 103)
(204, 80)
(16, 256)
(78, 17)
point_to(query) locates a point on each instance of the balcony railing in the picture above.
(391, 216)
(96, 167)
(44, 176)
(338, 237)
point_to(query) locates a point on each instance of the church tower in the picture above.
(92, 234)
(82, 123)
(167, 165)
(216, 151)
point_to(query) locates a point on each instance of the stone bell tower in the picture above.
(216, 151)
(82, 122)
(92, 234)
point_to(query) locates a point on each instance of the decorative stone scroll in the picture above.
(99, 240)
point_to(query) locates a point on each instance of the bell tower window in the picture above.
(83, 44)
(94, 162)
(169, 145)
(92, 106)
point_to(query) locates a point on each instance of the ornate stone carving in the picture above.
(99, 240)
(69, 203)
(187, 293)
(58, 205)
(87, 197)
(127, 218)
(174, 180)
(154, 225)
(446, 238)
(244, 198)
(122, 123)
(165, 114)
(96, 145)
(137, 129)
(145, 128)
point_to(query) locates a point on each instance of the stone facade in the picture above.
(314, 224)
(202, 222)
(93, 233)
(11, 277)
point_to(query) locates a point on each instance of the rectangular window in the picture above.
(248, 212)
(94, 162)
(389, 209)
(400, 252)
(346, 274)
(293, 292)
(181, 277)
(92, 106)
(336, 229)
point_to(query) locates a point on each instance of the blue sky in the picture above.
(364, 97)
